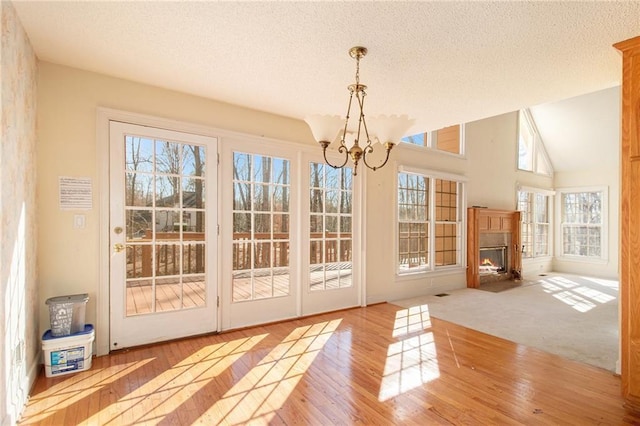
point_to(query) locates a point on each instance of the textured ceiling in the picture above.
(440, 62)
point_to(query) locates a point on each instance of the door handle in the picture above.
(118, 247)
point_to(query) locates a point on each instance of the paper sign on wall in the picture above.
(75, 193)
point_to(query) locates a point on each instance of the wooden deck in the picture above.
(380, 365)
(140, 296)
(140, 292)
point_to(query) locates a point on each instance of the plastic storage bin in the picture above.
(65, 355)
(66, 314)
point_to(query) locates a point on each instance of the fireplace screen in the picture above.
(493, 260)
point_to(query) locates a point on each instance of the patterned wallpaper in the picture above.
(20, 346)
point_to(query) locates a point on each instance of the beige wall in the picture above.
(20, 347)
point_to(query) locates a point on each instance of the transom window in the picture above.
(583, 223)
(448, 139)
(429, 222)
(532, 155)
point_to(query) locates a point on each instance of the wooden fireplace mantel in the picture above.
(481, 220)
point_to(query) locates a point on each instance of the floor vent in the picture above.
(442, 294)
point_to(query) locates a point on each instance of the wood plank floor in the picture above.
(377, 365)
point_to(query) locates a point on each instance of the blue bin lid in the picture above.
(74, 298)
(88, 328)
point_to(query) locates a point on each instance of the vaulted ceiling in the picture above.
(441, 63)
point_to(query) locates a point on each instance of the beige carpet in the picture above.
(568, 315)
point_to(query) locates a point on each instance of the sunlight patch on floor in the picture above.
(157, 398)
(410, 363)
(58, 397)
(578, 303)
(612, 284)
(262, 391)
(411, 320)
(579, 297)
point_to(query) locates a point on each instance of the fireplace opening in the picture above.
(493, 260)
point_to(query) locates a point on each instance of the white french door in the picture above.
(163, 237)
(331, 278)
(259, 233)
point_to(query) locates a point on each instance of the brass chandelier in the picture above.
(357, 140)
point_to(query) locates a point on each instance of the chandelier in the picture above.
(357, 139)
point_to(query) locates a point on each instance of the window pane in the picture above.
(193, 193)
(420, 139)
(241, 196)
(167, 191)
(448, 139)
(525, 144)
(138, 154)
(168, 157)
(139, 189)
(193, 160)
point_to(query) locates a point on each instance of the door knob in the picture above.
(118, 247)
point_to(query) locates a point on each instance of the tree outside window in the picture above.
(583, 224)
(429, 223)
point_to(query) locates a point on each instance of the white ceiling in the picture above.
(441, 63)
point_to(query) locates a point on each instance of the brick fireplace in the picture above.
(493, 241)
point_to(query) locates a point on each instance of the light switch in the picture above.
(78, 221)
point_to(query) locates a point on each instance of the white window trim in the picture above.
(431, 270)
(604, 246)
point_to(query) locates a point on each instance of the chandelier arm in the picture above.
(369, 149)
(341, 149)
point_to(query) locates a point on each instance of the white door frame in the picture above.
(103, 117)
(158, 325)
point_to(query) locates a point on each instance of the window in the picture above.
(583, 223)
(448, 139)
(532, 155)
(535, 225)
(429, 222)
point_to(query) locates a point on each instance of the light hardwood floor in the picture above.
(377, 365)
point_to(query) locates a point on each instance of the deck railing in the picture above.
(167, 259)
